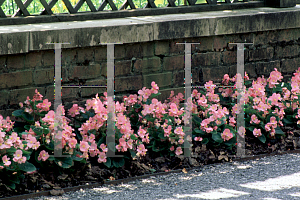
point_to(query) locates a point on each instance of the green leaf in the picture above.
(217, 137)
(205, 141)
(108, 163)
(11, 185)
(279, 131)
(17, 113)
(286, 121)
(14, 179)
(117, 162)
(27, 117)
(197, 120)
(74, 157)
(64, 162)
(133, 137)
(18, 129)
(136, 106)
(161, 135)
(155, 95)
(132, 152)
(38, 131)
(27, 127)
(262, 138)
(27, 167)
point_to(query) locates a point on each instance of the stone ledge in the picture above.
(33, 37)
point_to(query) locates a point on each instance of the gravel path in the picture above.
(269, 178)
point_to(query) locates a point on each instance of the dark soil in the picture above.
(93, 172)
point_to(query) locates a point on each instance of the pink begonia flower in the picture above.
(155, 88)
(129, 143)
(103, 147)
(257, 132)
(72, 143)
(102, 157)
(45, 106)
(141, 149)
(6, 161)
(18, 157)
(198, 138)
(30, 141)
(172, 148)
(84, 146)
(273, 120)
(226, 135)
(232, 121)
(254, 119)
(267, 127)
(37, 96)
(178, 151)
(43, 155)
(242, 131)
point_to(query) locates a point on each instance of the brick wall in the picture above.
(138, 64)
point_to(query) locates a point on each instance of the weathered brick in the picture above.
(49, 92)
(121, 68)
(84, 72)
(219, 43)
(195, 76)
(206, 44)
(248, 67)
(16, 61)
(173, 63)
(119, 51)
(100, 53)
(7, 113)
(33, 59)
(128, 83)
(229, 57)
(214, 73)
(4, 97)
(48, 58)
(287, 52)
(146, 66)
(14, 79)
(85, 56)
(161, 79)
(179, 78)
(206, 59)
(3, 67)
(265, 68)
(133, 50)
(85, 92)
(161, 48)
(165, 93)
(177, 48)
(148, 49)
(288, 35)
(261, 54)
(43, 76)
(290, 65)
(20, 95)
(263, 38)
(68, 57)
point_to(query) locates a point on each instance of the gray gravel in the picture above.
(269, 178)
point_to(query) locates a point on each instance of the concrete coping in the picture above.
(32, 37)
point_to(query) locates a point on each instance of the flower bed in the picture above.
(148, 134)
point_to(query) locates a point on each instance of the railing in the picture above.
(65, 9)
(14, 12)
